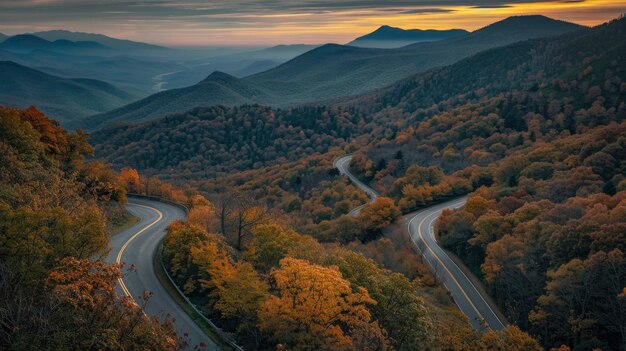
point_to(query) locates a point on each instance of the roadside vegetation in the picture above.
(56, 293)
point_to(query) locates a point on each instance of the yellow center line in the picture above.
(421, 235)
(119, 254)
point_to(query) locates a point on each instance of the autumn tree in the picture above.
(77, 308)
(399, 309)
(238, 290)
(238, 214)
(583, 303)
(177, 244)
(315, 308)
(34, 241)
(270, 244)
(377, 216)
(511, 338)
(202, 213)
(129, 179)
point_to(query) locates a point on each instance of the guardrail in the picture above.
(227, 339)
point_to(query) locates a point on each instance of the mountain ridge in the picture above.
(386, 37)
(25, 43)
(334, 70)
(114, 43)
(61, 98)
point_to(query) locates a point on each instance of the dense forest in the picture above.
(206, 142)
(543, 228)
(554, 77)
(545, 159)
(533, 131)
(550, 227)
(56, 212)
(278, 289)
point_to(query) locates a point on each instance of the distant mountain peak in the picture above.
(385, 27)
(530, 22)
(219, 76)
(392, 37)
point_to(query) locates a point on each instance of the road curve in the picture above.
(343, 165)
(137, 246)
(420, 226)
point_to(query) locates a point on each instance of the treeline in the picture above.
(275, 288)
(56, 292)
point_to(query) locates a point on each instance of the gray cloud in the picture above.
(427, 10)
(17, 10)
(491, 6)
(158, 19)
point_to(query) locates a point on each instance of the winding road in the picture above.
(420, 225)
(137, 246)
(343, 165)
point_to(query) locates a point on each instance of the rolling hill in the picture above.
(222, 88)
(387, 37)
(332, 71)
(3, 37)
(60, 98)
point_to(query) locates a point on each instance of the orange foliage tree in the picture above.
(316, 309)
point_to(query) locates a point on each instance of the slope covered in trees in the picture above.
(536, 129)
(56, 293)
(216, 140)
(576, 83)
(283, 290)
(543, 229)
(548, 237)
(522, 78)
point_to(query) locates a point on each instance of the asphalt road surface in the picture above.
(343, 165)
(420, 227)
(137, 246)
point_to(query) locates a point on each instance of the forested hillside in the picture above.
(518, 79)
(534, 131)
(550, 226)
(216, 140)
(245, 266)
(547, 162)
(56, 293)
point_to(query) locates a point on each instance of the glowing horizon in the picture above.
(262, 23)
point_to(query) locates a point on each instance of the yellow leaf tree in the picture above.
(316, 309)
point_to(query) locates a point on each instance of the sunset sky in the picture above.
(268, 22)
